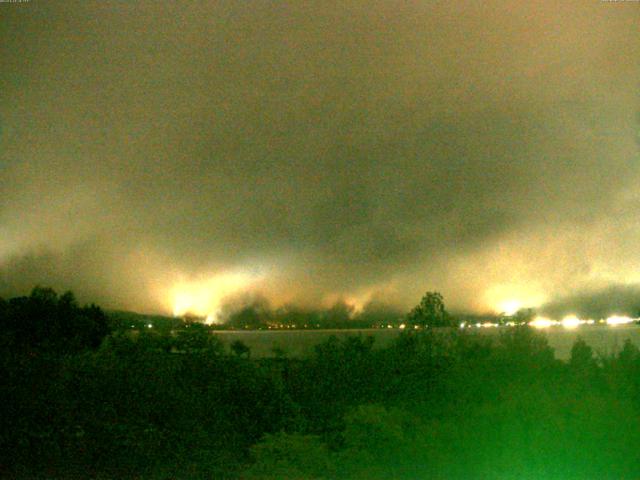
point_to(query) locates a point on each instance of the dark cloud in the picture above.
(597, 304)
(344, 148)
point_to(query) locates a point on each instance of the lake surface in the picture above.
(603, 339)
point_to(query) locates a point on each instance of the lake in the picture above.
(603, 339)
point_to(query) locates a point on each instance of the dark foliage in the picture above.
(180, 404)
(44, 321)
(430, 312)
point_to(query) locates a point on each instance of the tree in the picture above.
(240, 349)
(378, 443)
(290, 455)
(582, 356)
(255, 316)
(430, 312)
(196, 337)
(44, 321)
(523, 315)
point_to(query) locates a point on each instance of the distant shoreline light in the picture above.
(619, 320)
(569, 322)
(542, 322)
(572, 321)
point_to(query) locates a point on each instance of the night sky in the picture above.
(173, 156)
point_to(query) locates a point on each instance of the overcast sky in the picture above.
(154, 152)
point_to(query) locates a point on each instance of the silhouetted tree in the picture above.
(240, 349)
(629, 353)
(582, 356)
(430, 312)
(197, 337)
(584, 366)
(251, 316)
(523, 315)
(290, 455)
(45, 321)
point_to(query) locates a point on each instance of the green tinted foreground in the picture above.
(427, 407)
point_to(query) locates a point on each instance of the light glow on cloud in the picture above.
(204, 297)
(510, 307)
(507, 299)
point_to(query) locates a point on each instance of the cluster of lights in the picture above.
(402, 326)
(569, 322)
(572, 321)
(619, 320)
(480, 325)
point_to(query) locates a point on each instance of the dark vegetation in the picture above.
(82, 399)
(258, 315)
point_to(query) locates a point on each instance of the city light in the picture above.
(542, 322)
(571, 321)
(618, 320)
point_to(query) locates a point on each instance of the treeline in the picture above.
(46, 322)
(429, 312)
(258, 314)
(433, 405)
